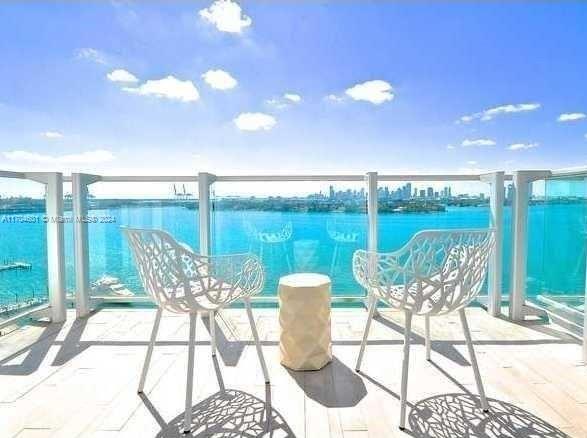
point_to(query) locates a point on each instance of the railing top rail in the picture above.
(144, 178)
(424, 177)
(577, 172)
(287, 178)
(270, 178)
(9, 174)
(380, 177)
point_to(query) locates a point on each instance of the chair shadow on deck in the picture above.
(333, 386)
(230, 350)
(226, 413)
(460, 415)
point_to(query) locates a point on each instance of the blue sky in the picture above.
(320, 87)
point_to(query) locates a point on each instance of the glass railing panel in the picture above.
(172, 207)
(23, 245)
(537, 209)
(559, 284)
(408, 207)
(293, 227)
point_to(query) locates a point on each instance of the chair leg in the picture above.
(473, 358)
(256, 337)
(150, 350)
(212, 319)
(405, 369)
(372, 306)
(334, 257)
(287, 260)
(427, 335)
(187, 425)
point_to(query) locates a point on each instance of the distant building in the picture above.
(407, 191)
(430, 192)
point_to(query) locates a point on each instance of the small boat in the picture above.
(111, 286)
(10, 266)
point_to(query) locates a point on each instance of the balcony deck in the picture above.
(79, 379)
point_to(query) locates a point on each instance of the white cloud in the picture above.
(276, 103)
(254, 122)
(491, 113)
(478, 142)
(219, 79)
(571, 117)
(521, 146)
(376, 92)
(450, 147)
(334, 98)
(168, 88)
(91, 55)
(292, 97)
(52, 134)
(285, 101)
(120, 75)
(89, 157)
(471, 163)
(227, 16)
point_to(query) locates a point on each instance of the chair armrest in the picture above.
(372, 269)
(242, 271)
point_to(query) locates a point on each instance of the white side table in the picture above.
(304, 317)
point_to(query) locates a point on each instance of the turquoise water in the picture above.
(23, 242)
(294, 242)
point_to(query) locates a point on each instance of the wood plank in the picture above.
(81, 380)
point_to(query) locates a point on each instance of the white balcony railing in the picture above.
(80, 183)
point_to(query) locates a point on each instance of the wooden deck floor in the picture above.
(79, 379)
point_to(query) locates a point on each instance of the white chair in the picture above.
(181, 281)
(435, 273)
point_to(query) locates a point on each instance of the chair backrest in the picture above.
(161, 262)
(436, 272)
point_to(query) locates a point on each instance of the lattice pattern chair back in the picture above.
(182, 281)
(436, 272)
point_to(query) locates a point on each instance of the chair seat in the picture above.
(217, 294)
(430, 300)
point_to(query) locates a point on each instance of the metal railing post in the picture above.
(55, 242)
(204, 182)
(372, 216)
(372, 207)
(56, 247)
(585, 324)
(494, 279)
(521, 180)
(79, 191)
